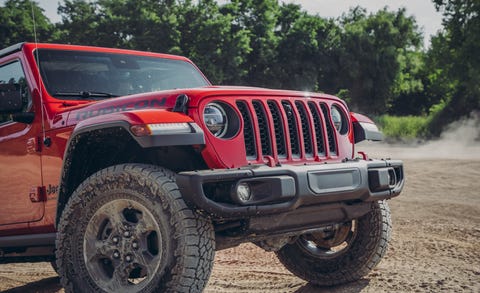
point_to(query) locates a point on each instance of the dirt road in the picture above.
(435, 245)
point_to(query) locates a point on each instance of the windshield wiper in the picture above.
(85, 94)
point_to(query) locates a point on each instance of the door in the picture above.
(20, 166)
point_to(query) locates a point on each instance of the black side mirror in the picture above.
(10, 98)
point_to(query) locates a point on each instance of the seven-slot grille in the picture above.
(287, 129)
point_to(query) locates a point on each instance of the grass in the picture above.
(402, 127)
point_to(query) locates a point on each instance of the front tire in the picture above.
(343, 255)
(127, 229)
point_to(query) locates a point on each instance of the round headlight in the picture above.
(221, 119)
(215, 119)
(339, 120)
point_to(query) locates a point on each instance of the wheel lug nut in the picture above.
(126, 234)
(135, 245)
(128, 258)
(115, 239)
(116, 254)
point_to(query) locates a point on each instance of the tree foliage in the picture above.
(306, 51)
(17, 23)
(371, 54)
(374, 60)
(215, 42)
(454, 61)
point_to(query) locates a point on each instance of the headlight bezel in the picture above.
(339, 119)
(231, 122)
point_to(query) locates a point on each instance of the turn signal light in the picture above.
(160, 128)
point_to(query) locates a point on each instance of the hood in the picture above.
(167, 99)
(153, 100)
(196, 95)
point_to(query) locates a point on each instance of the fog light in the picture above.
(244, 193)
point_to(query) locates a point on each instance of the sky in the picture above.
(428, 19)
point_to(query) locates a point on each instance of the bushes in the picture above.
(402, 127)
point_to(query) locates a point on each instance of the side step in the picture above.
(27, 248)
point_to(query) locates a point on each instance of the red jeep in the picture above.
(129, 169)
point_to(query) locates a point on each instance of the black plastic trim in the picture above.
(308, 217)
(307, 192)
(11, 49)
(181, 104)
(304, 220)
(47, 239)
(194, 138)
(361, 133)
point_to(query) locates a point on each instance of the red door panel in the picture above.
(20, 174)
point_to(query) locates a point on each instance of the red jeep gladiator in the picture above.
(128, 169)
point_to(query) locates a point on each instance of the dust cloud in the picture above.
(460, 140)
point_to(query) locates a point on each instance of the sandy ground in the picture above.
(435, 245)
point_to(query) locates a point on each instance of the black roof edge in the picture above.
(11, 49)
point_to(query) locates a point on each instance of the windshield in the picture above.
(91, 75)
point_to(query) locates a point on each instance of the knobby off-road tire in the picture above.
(127, 229)
(363, 243)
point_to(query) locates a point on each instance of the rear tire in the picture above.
(127, 229)
(343, 255)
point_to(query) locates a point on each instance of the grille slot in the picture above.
(306, 131)
(292, 128)
(248, 132)
(278, 127)
(317, 122)
(263, 128)
(330, 133)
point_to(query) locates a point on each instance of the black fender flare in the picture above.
(195, 137)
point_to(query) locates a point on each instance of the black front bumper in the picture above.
(283, 189)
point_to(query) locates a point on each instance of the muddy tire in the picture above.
(342, 255)
(127, 229)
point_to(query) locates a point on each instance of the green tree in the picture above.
(80, 23)
(196, 29)
(409, 96)
(258, 18)
(97, 23)
(368, 60)
(17, 23)
(372, 60)
(306, 49)
(210, 39)
(455, 62)
(150, 25)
